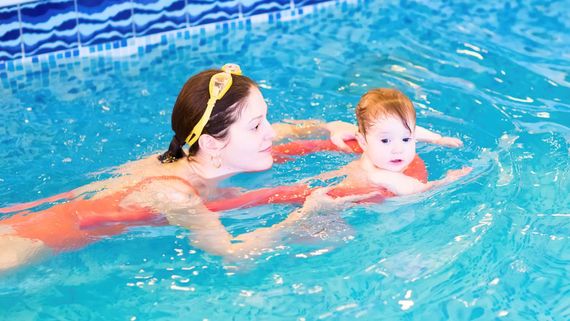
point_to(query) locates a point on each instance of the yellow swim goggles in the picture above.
(220, 83)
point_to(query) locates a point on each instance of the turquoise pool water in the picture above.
(496, 247)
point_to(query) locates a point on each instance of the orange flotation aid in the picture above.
(80, 221)
(296, 194)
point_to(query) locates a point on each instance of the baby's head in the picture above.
(386, 128)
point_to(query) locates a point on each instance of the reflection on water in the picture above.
(492, 246)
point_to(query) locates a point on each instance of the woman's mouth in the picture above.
(267, 150)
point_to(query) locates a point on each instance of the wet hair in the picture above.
(191, 104)
(384, 102)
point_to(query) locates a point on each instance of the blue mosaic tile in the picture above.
(210, 11)
(103, 21)
(10, 46)
(49, 26)
(302, 3)
(154, 16)
(255, 7)
(57, 27)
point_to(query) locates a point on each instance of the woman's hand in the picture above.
(319, 200)
(340, 132)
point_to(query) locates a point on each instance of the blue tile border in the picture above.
(199, 35)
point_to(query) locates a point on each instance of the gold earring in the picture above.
(216, 161)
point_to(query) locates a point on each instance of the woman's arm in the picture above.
(184, 209)
(209, 234)
(292, 129)
(338, 131)
(427, 136)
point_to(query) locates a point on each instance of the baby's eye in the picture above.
(385, 140)
(407, 139)
(256, 127)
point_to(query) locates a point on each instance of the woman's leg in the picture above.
(16, 251)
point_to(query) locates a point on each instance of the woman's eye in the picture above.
(407, 139)
(385, 140)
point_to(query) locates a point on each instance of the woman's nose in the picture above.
(270, 132)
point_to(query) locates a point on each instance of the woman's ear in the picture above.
(361, 141)
(210, 145)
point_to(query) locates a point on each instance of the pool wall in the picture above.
(44, 32)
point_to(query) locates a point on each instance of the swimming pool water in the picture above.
(494, 247)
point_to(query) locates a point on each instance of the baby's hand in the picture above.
(455, 174)
(449, 142)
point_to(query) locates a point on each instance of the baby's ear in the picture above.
(361, 141)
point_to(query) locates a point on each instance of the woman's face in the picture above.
(250, 138)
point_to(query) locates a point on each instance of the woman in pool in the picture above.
(221, 115)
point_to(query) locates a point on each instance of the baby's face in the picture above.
(390, 145)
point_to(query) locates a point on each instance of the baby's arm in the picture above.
(400, 184)
(427, 136)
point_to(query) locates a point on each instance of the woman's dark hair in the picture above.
(191, 104)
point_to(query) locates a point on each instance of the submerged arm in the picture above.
(209, 234)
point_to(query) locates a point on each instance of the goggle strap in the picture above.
(195, 134)
(199, 127)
